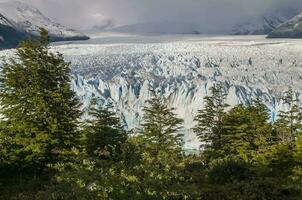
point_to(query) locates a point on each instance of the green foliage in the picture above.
(161, 128)
(253, 156)
(39, 118)
(289, 123)
(156, 176)
(45, 156)
(149, 164)
(44, 37)
(39, 109)
(246, 132)
(105, 133)
(209, 120)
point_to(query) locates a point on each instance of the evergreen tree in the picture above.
(296, 176)
(157, 172)
(210, 120)
(161, 128)
(243, 132)
(246, 131)
(105, 133)
(250, 161)
(151, 162)
(39, 110)
(289, 123)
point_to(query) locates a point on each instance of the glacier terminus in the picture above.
(119, 69)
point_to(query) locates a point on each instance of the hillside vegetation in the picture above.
(47, 152)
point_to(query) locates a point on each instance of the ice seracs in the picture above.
(183, 70)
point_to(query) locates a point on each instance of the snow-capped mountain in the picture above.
(26, 19)
(289, 29)
(9, 36)
(263, 25)
(4, 21)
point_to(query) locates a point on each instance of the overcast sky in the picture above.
(83, 14)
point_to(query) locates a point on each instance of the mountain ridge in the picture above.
(265, 24)
(23, 20)
(289, 29)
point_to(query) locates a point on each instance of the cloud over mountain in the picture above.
(210, 14)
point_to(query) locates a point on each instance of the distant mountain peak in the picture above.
(5, 21)
(27, 20)
(289, 29)
(266, 23)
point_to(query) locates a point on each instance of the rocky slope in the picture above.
(290, 29)
(9, 36)
(19, 19)
(263, 25)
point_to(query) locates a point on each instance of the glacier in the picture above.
(119, 70)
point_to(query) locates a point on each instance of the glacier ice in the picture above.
(184, 70)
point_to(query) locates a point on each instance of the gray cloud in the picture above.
(83, 14)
